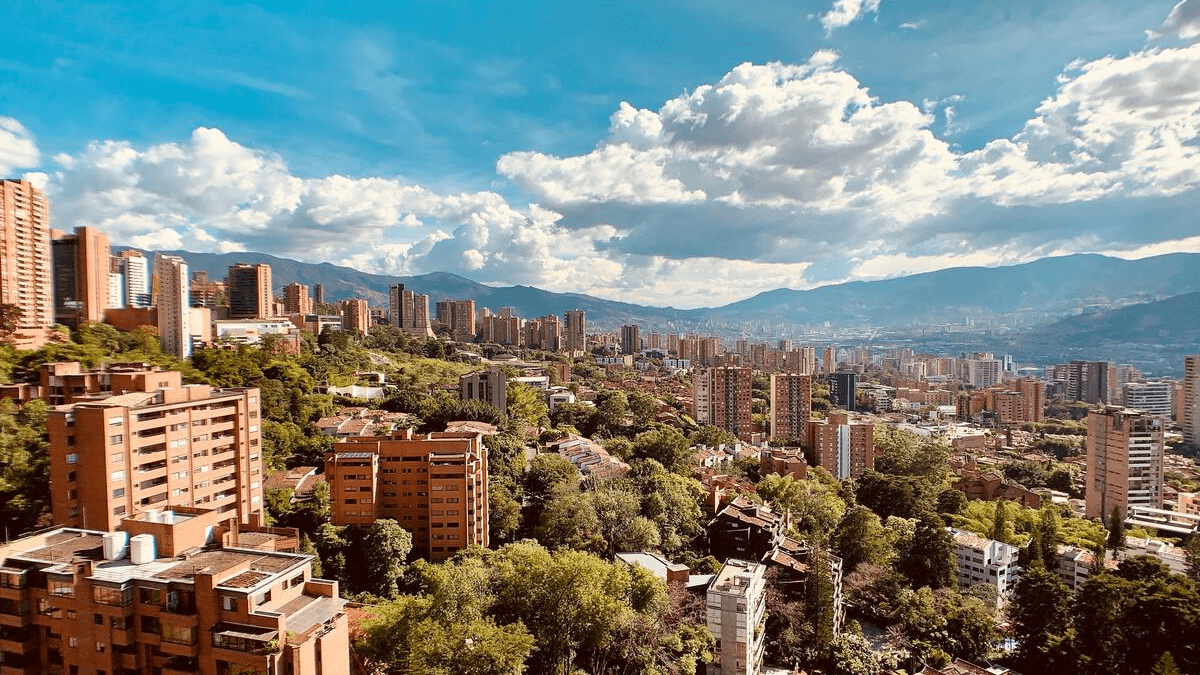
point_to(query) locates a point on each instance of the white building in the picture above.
(172, 293)
(985, 561)
(737, 610)
(1151, 397)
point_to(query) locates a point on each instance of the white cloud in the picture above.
(845, 12)
(18, 150)
(1183, 21)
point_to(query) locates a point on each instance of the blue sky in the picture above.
(684, 153)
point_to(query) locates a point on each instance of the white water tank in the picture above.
(116, 545)
(152, 516)
(141, 549)
(168, 517)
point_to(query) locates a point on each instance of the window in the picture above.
(72, 641)
(229, 603)
(61, 588)
(184, 635)
(150, 596)
(119, 492)
(112, 596)
(116, 439)
(150, 625)
(72, 458)
(115, 421)
(98, 619)
(117, 623)
(118, 510)
(118, 475)
(118, 457)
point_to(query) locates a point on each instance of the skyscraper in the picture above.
(171, 293)
(575, 330)
(842, 390)
(296, 299)
(631, 341)
(1191, 400)
(722, 398)
(356, 315)
(791, 406)
(81, 263)
(409, 311)
(463, 324)
(25, 274)
(250, 294)
(135, 272)
(1124, 461)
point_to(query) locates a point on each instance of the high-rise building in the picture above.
(736, 607)
(842, 447)
(463, 325)
(250, 291)
(1033, 399)
(575, 330)
(791, 406)
(25, 260)
(983, 373)
(81, 263)
(409, 311)
(842, 390)
(1151, 397)
(356, 315)
(435, 486)
(171, 592)
(1190, 400)
(1090, 381)
(722, 399)
(544, 332)
(171, 293)
(152, 444)
(631, 341)
(134, 269)
(319, 294)
(1124, 461)
(489, 386)
(501, 330)
(296, 299)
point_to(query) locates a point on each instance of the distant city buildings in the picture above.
(171, 294)
(81, 264)
(791, 406)
(1190, 420)
(721, 397)
(250, 294)
(409, 311)
(26, 277)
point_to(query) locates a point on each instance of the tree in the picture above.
(24, 466)
(385, 545)
(504, 513)
(10, 319)
(816, 509)
(930, 561)
(1000, 526)
(1038, 613)
(860, 538)
(1116, 530)
(548, 473)
(673, 502)
(951, 501)
(665, 445)
(712, 436)
(603, 521)
(1191, 550)
(889, 495)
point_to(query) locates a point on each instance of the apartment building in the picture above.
(843, 447)
(25, 272)
(544, 332)
(151, 443)
(296, 299)
(630, 339)
(134, 271)
(736, 610)
(575, 331)
(171, 298)
(985, 561)
(170, 593)
(489, 386)
(356, 315)
(435, 486)
(1151, 397)
(409, 311)
(1190, 419)
(250, 291)
(1124, 461)
(501, 330)
(721, 397)
(81, 263)
(791, 406)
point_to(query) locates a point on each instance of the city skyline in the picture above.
(778, 147)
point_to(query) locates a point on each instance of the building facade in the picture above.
(356, 315)
(1190, 420)
(842, 447)
(250, 291)
(791, 406)
(736, 610)
(296, 299)
(489, 386)
(81, 263)
(631, 340)
(722, 398)
(409, 311)
(575, 330)
(1124, 461)
(25, 259)
(171, 297)
(435, 486)
(170, 593)
(985, 561)
(151, 443)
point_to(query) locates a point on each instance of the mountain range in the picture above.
(1030, 294)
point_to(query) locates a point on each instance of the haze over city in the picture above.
(684, 154)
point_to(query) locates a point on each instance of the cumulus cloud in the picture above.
(773, 175)
(845, 12)
(17, 147)
(1183, 21)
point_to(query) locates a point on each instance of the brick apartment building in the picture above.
(169, 593)
(1124, 461)
(435, 486)
(843, 448)
(721, 397)
(148, 442)
(791, 406)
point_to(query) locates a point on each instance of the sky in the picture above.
(683, 153)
